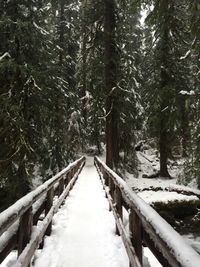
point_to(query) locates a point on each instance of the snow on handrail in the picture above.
(10, 215)
(39, 231)
(19, 222)
(169, 243)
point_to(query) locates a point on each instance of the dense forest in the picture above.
(100, 75)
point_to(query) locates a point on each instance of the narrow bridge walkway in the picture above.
(83, 231)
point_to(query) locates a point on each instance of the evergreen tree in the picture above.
(38, 125)
(62, 130)
(20, 77)
(129, 39)
(112, 92)
(193, 166)
(90, 73)
(168, 77)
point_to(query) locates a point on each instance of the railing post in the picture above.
(49, 203)
(106, 178)
(25, 230)
(118, 202)
(111, 187)
(69, 176)
(135, 229)
(66, 179)
(61, 186)
(76, 168)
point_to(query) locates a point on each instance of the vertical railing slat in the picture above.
(25, 230)
(61, 186)
(48, 205)
(118, 202)
(135, 229)
(66, 179)
(111, 187)
(106, 178)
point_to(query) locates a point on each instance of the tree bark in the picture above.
(164, 91)
(59, 115)
(84, 61)
(163, 152)
(112, 149)
(185, 133)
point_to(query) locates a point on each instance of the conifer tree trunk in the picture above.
(112, 149)
(185, 132)
(164, 131)
(61, 29)
(164, 89)
(59, 115)
(84, 61)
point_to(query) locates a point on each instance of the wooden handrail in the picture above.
(16, 223)
(146, 226)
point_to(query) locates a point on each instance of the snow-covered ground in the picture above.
(152, 196)
(193, 240)
(148, 160)
(148, 163)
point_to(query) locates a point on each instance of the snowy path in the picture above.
(84, 230)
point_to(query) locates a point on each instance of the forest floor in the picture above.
(162, 190)
(148, 166)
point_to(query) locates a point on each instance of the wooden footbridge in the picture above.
(24, 225)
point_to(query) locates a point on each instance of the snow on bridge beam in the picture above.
(168, 244)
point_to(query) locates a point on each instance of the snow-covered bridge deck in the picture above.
(83, 233)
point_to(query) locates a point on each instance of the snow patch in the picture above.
(164, 197)
(5, 55)
(186, 55)
(182, 92)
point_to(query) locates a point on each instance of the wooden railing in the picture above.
(146, 226)
(19, 227)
